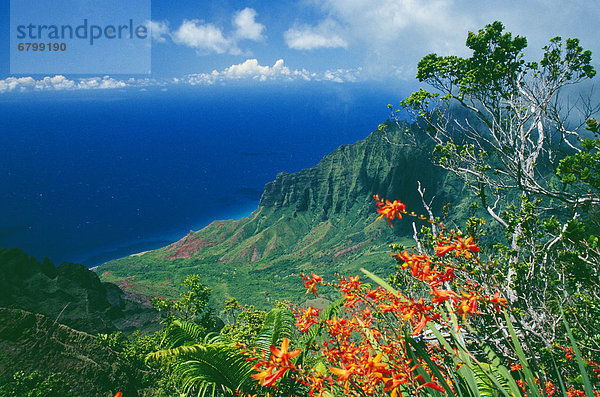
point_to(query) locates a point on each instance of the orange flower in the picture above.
(350, 287)
(444, 247)
(267, 377)
(119, 394)
(307, 318)
(432, 385)
(465, 247)
(389, 210)
(277, 365)
(569, 355)
(462, 247)
(498, 301)
(398, 378)
(343, 374)
(281, 355)
(317, 384)
(467, 305)
(377, 294)
(441, 295)
(374, 365)
(549, 388)
(420, 326)
(311, 283)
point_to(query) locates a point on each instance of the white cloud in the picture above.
(59, 82)
(208, 38)
(326, 34)
(391, 36)
(103, 83)
(386, 35)
(205, 38)
(16, 84)
(158, 30)
(439, 24)
(246, 26)
(248, 70)
(342, 75)
(251, 70)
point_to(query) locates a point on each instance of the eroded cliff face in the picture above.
(69, 293)
(346, 179)
(320, 219)
(301, 212)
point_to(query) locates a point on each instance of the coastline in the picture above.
(135, 248)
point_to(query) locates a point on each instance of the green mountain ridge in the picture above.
(321, 219)
(69, 293)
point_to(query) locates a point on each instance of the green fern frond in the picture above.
(278, 324)
(183, 333)
(217, 369)
(170, 355)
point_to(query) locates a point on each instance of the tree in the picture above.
(192, 304)
(514, 127)
(244, 322)
(515, 133)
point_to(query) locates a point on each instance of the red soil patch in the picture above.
(347, 250)
(354, 247)
(187, 247)
(255, 256)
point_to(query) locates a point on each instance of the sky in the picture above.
(202, 43)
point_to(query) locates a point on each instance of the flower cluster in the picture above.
(364, 350)
(594, 366)
(311, 282)
(361, 359)
(389, 210)
(367, 344)
(462, 247)
(306, 318)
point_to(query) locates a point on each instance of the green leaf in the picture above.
(378, 280)
(279, 324)
(423, 354)
(532, 390)
(587, 385)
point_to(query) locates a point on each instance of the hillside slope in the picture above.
(69, 293)
(33, 342)
(320, 219)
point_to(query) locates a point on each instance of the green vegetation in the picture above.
(519, 143)
(34, 346)
(37, 385)
(512, 308)
(496, 296)
(69, 293)
(315, 220)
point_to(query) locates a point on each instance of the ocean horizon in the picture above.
(92, 176)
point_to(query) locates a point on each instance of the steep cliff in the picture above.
(320, 219)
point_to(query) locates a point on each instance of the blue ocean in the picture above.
(91, 176)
